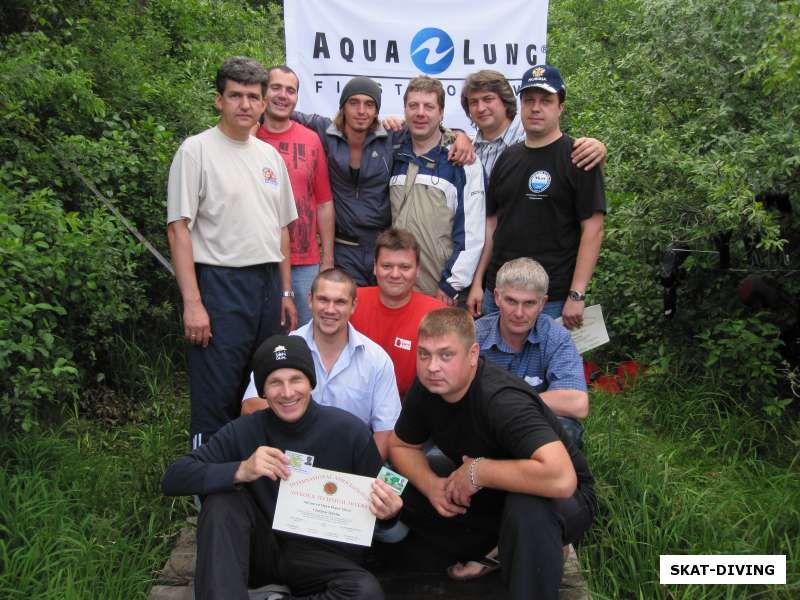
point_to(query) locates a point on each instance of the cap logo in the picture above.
(279, 352)
(537, 72)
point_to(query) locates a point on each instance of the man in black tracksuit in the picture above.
(239, 470)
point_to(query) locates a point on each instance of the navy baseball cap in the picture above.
(545, 77)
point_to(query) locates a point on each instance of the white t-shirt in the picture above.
(235, 195)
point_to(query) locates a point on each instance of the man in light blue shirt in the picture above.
(353, 372)
(530, 344)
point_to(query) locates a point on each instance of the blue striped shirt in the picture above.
(489, 151)
(548, 360)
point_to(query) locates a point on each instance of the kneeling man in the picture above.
(239, 470)
(515, 476)
(525, 341)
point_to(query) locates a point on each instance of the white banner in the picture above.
(330, 41)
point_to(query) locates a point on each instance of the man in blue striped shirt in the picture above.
(491, 104)
(530, 344)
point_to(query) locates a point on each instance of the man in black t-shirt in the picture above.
(515, 476)
(540, 205)
(240, 468)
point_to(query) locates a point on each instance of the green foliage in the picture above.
(51, 271)
(697, 483)
(698, 105)
(78, 517)
(112, 86)
(737, 347)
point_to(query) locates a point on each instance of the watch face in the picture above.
(573, 295)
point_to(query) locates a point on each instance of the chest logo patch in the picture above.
(402, 344)
(539, 182)
(269, 176)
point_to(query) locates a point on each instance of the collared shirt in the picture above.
(362, 380)
(548, 359)
(489, 151)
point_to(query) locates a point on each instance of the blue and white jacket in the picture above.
(444, 206)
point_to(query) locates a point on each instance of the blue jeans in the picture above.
(551, 309)
(302, 278)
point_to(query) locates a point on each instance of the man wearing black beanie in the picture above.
(239, 470)
(360, 156)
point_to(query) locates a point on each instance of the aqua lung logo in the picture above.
(539, 182)
(432, 50)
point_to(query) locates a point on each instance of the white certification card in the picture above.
(593, 331)
(326, 504)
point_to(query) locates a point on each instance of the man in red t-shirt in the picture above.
(389, 313)
(305, 160)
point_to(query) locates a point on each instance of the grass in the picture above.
(82, 516)
(677, 474)
(81, 510)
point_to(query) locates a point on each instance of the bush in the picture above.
(63, 289)
(699, 120)
(113, 87)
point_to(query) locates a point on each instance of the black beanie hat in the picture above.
(361, 85)
(282, 352)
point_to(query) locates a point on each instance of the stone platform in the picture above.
(406, 571)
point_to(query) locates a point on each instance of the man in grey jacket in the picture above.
(360, 156)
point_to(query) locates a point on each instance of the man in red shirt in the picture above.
(305, 160)
(389, 313)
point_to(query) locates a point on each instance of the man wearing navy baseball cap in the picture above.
(542, 205)
(239, 470)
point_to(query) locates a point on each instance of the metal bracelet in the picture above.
(472, 466)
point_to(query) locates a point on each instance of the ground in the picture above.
(404, 571)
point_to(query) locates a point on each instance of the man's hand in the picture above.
(441, 296)
(288, 314)
(475, 300)
(264, 462)
(438, 497)
(196, 323)
(384, 503)
(572, 313)
(459, 488)
(462, 152)
(326, 263)
(587, 153)
(393, 123)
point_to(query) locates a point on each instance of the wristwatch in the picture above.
(288, 293)
(576, 296)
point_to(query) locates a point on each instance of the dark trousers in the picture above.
(358, 260)
(236, 548)
(529, 530)
(244, 307)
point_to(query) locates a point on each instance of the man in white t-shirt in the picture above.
(229, 204)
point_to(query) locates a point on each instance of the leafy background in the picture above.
(698, 104)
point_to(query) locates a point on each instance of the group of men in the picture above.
(373, 238)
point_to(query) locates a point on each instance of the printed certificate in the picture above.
(326, 504)
(593, 333)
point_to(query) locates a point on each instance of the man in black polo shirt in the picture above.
(516, 477)
(540, 205)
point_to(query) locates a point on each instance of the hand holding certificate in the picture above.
(593, 331)
(333, 506)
